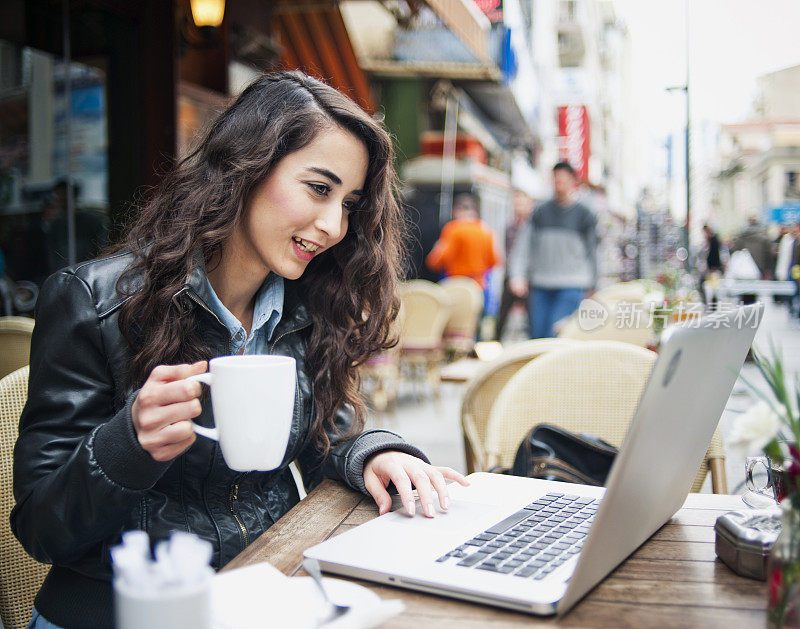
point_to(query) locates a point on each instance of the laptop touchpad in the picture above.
(461, 515)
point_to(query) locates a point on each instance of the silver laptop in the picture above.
(539, 546)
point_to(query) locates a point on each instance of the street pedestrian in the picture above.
(466, 245)
(711, 269)
(554, 259)
(523, 206)
(783, 261)
(754, 240)
(794, 269)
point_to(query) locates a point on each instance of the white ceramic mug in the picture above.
(253, 401)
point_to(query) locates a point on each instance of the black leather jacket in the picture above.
(81, 477)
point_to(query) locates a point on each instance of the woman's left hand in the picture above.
(404, 471)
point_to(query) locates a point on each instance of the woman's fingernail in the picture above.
(429, 510)
(446, 502)
(411, 509)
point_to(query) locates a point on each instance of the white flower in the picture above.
(754, 428)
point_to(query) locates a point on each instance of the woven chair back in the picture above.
(426, 309)
(20, 575)
(15, 343)
(466, 297)
(628, 321)
(591, 388)
(482, 391)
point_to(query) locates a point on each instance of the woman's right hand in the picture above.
(162, 410)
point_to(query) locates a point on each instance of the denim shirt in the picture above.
(266, 315)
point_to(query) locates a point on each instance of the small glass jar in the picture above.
(783, 572)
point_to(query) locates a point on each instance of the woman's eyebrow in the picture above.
(326, 173)
(333, 177)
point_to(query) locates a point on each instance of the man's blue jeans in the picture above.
(40, 622)
(548, 305)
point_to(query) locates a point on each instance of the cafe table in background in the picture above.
(466, 368)
(673, 580)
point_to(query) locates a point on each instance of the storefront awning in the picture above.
(434, 69)
(501, 112)
(313, 38)
(467, 21)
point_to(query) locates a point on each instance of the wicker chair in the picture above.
(20, 575)
(380, 375)
(629, 321)
(15, 343)
(591, 388)
(426, 309)
(482, 391)
(466, 297)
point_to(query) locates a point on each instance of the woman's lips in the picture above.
(304, 255)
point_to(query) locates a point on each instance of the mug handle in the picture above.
(209, 433)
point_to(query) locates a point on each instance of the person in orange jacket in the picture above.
(466, 246)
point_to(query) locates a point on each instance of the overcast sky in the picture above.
(731, 43)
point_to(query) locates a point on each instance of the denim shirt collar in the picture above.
(293, 312)
(267, 311)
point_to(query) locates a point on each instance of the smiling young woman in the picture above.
(279, 234)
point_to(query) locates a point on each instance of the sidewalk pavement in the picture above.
(434, 425)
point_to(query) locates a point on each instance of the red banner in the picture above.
(493, 9)
(573, 138)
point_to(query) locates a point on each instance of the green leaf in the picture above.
(774, 452)
(769, 400)
(796, 391)
(771, 368)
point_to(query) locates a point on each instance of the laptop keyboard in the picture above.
(532, 542)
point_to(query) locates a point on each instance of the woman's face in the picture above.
(301, 208)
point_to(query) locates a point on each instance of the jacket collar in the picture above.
(295, 312)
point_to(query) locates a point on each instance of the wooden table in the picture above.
(673, 580)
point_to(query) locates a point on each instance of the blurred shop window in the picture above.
(91, 228)
(197, 108)
(35, 156)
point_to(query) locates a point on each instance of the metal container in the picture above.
(744, 539)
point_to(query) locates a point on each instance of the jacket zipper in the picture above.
(296, 377)
(211, 312)
(233, 497)
(287, 333)
(233, 504)
(204, 307)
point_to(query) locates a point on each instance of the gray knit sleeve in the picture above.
(369, 443)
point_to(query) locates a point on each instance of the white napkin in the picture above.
(262, 596)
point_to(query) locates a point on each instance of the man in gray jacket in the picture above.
(554, 258)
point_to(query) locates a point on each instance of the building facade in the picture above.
(759, 159)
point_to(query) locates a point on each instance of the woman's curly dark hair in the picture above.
(350, 290)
